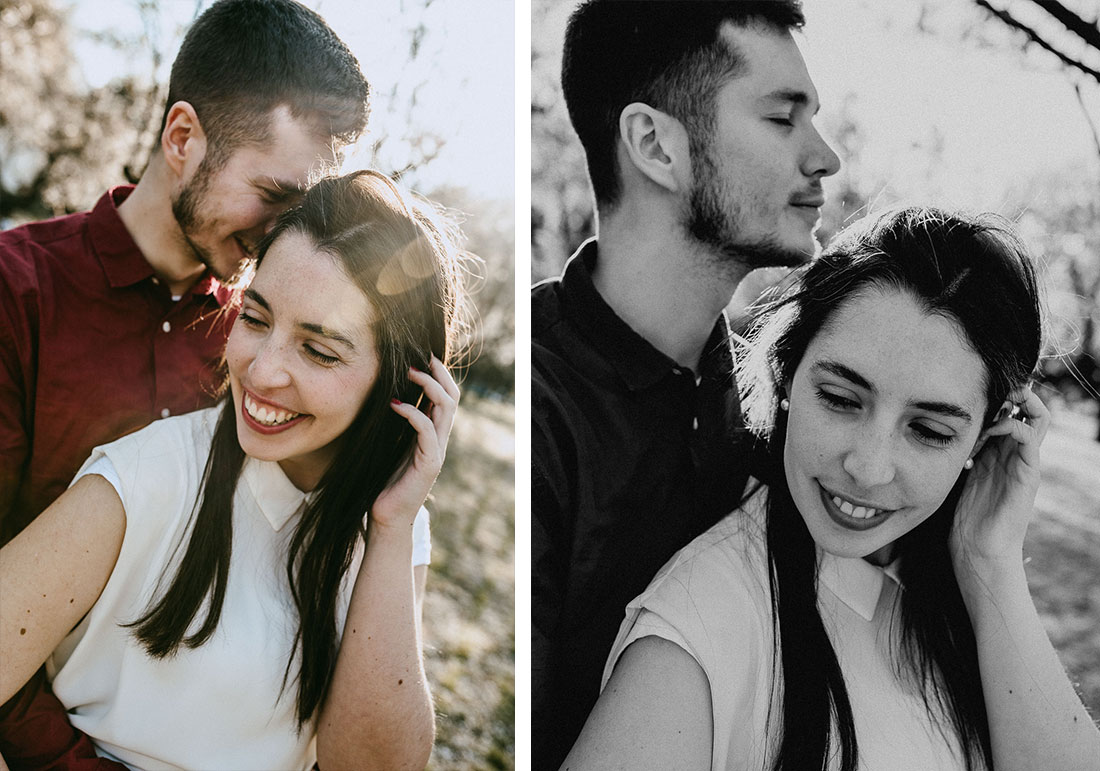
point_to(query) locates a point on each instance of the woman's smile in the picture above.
(265, 417)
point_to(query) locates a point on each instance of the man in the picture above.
(696, 121)
(112, 318)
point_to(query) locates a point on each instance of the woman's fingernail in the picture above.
(395, 401)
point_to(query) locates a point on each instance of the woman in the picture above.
(868, 608)
(230, 599)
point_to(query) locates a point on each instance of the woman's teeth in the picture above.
(859, 512)
(266, 416)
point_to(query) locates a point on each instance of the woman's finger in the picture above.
(444, 404)
(427, 441)
(443, 376)
(433, 389)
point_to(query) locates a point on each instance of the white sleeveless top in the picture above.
(218, 706)
(713, 600)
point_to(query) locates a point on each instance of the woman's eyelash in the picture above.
(251, 321)
(932, 437)
(834, 400)
(923, 432)
(323, 358)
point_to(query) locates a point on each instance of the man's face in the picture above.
(757, 173)
(223, 212)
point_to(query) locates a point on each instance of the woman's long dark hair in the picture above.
(976, 272)
(392, 246)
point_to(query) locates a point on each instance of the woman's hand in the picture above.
(397, 505)
(999, 496)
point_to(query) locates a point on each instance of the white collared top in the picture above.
(712, 599)
(219, 706)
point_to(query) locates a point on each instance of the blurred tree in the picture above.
(490, 234)
(1051, 33)
(562, 214)
(61, 142)
(1063, 223)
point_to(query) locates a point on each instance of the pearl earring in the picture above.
(969, 464)
(784, 404)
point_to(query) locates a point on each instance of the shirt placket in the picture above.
(166, 344)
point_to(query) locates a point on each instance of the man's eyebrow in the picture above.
(847, 373)
(792, 96)
(280, 187)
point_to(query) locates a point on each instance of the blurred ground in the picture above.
(469, 607)
(1062, 551)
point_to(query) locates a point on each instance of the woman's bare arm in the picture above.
(53, 572)
(378, 712)
(1035, 718)
(655, 713)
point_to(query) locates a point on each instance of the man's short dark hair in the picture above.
(665, 53)
(243, 58)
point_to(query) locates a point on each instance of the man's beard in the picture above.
(713, 218)
(186, 209)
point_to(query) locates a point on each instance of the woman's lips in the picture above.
(267, 418)
(853, 520)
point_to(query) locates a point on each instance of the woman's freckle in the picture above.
(71, 600)
(23, 630)
(399, 682)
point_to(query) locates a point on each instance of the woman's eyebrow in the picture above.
(317, 329)
(946, 409)
(330, 334)
(849, 374)
(257, 298)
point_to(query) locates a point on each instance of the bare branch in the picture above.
(1089, 32)
(1088, 117)
(1011, 21)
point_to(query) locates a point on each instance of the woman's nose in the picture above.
(869, 461)
(268, 367)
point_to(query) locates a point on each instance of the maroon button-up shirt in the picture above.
(92, 346)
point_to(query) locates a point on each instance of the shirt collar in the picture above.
(118, 254)
(856, 582)
(638, 363)
(274, 494)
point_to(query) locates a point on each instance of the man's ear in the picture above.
(183, 140)
(656, 144)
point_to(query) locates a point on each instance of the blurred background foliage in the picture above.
(68, 133)
(930, 142)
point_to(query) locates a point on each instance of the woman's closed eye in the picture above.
(249, 320)
(931, 436)
(836, 401)
(320, 357)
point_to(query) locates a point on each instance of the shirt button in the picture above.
(165, 412)
(156, 281)
(166, 326)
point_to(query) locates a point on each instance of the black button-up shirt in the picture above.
(632, 456)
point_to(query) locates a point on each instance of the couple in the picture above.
(238, 586)
(824, 571)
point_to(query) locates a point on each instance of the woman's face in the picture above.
(885, 408)
(301, 357)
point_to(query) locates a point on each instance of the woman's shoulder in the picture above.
(179, 438)
(731, 554)
(162, 459)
